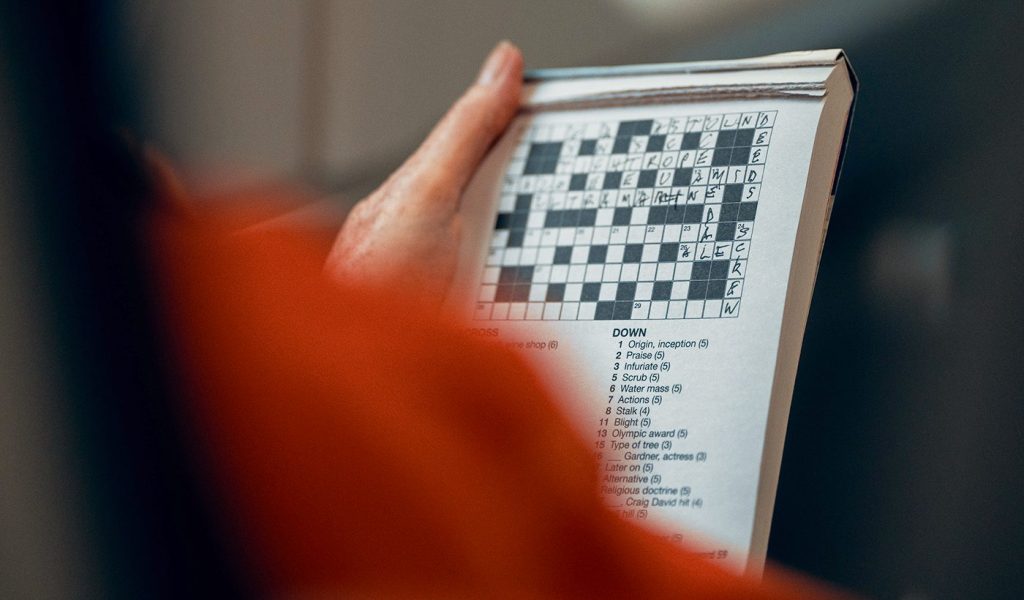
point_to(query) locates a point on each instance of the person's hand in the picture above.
(408, 230)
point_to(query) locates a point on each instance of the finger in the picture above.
(443, 164)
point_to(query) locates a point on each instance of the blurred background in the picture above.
(902, 470)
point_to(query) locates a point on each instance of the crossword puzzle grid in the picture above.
(647, 219)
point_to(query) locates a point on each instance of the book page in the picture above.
(641, 256)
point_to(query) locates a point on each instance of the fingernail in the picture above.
(496, 66)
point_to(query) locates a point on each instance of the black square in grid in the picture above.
(733, 192)
(553, 218)
(668, 252)
(716, 289)
(612, 180)
(675, 214)
(691, 141)
(521, 292)
(747, 211)
(698, 290)
(744, 137)
(726, 139)
(503, 293)
(545, 150)
(591, 292)
(605, 311)
(626, 290)
(719, 269)
(662, 290)
(525, 274)
(555, 292)
(725, 232)
(588, 217)
(578, 182)
(701, 270)
(647, 178)
(682, 177)
(538, 166)
(656, 215)
(523, 202)
(570, 217)
(597, 254)
(621, 145)
(622, 215)
(508, 274)
(694, 214)
(728, 212)
(623, 311)
(721, 157)
(588, 147)
(636, 127)
(517, 220)
(632, 253)
(740, 156)
(502, 221)
(563, 254)
(656, 143)
(515, 238)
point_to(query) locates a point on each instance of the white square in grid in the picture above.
(672, 233)
(654, 234)
(640, 310)
(516, 311)
(601, 235)
(766, 119)
(659, 309)
(607, 291)
(586, 311)
(647, 272)
(535, 220)
(499, 239)
(731, 121)
(482, 312)
(566, 236)
(568, 312)
(612, 272)
(614, 253)
(708, 139)
(577, 272)
(511, 257)
(687, 158)
(712, 308)
(651, 252)
(549, 237)
(500, 311)
(639, 215)
(604, 216)
(673, 142)
(490, 275)
(731, 308)
(534, 311)
(584, 235)
(545, 255)
(737, 268)
(552, 310)
(701, 158)
(740, 250)
(629, 179)
(762, 136)
(487, 293)
(683, 270)
(666, 271)
(676, 310)
(694, 309)
(748, 120)
(618, 235)
(594, 272)
(579, 255)
(559, 273)
(507, 203)
(528, 256)
(537, 292)
(541, 274)
(573, 292)
(679, 290)
(644, 289)
(629, 272)
(637, 233)
(755, 173)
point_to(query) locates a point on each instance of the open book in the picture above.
(652, 234)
